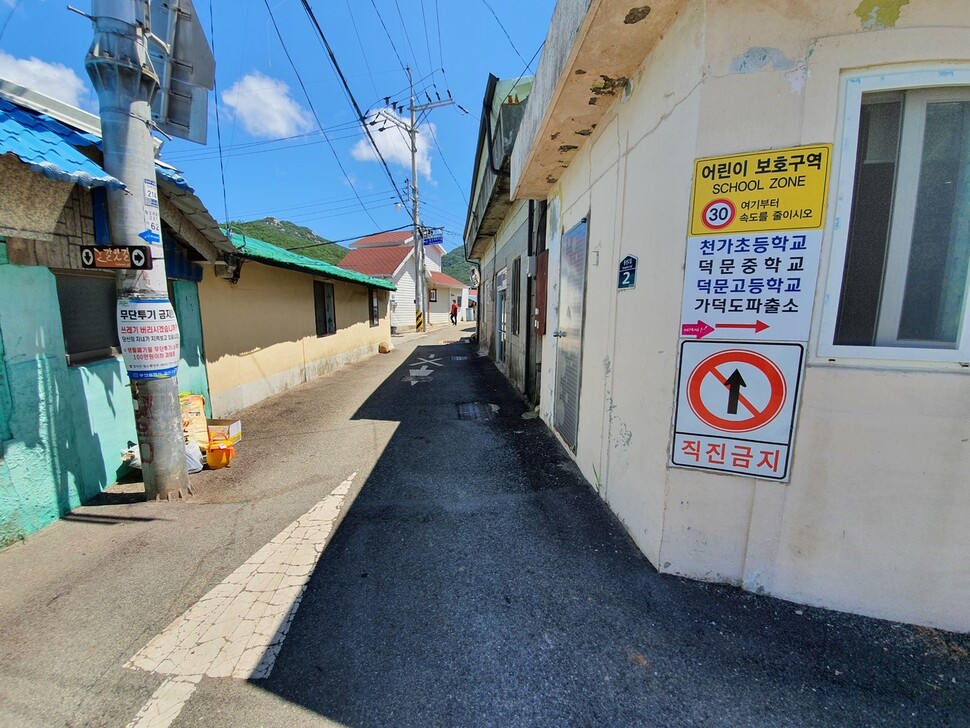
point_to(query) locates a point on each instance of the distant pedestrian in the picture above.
(454, 312)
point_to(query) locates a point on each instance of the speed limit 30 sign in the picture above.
(718, 214)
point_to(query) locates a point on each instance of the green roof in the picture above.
(260, 250)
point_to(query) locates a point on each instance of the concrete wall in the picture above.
(510, 242)
(260, 333)
(62, 428)
(402, 312)
(874, 518)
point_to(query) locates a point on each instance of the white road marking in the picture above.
(432, 359)
(166, 703)
(238, 628)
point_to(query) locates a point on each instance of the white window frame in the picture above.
(853, 86)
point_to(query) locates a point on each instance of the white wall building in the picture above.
(663, 133)
(390, 256)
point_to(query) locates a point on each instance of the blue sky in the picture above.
(277, 162)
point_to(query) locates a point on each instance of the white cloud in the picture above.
(265, 107)
(395, 145)
(52, 79)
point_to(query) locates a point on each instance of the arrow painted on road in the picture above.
(702, 329)
(734, 384)
(417, 376)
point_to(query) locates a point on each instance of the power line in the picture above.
(215, 88)
(6, 22)
(427, 40)
(407, 36)
(441, 153)
(499, 21)
(441, 62)
(203, 156)
(321, 204)
(388, 34)
(362, 51)
(313, 110)
(347, 240)
(350, 95)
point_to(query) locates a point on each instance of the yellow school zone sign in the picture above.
(773, 190)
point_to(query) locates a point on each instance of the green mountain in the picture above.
(293, 237)
(455, 265)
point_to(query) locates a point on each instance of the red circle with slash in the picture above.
(758, 416)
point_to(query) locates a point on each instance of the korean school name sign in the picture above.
(753, 249)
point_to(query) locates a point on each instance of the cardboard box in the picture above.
(230, 430)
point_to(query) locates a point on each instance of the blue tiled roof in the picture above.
(50, 147)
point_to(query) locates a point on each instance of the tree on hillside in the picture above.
(455, 265)
(288, 235)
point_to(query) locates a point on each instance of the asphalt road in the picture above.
(475, 579)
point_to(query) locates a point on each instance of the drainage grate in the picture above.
(476, 411)
(459, 358)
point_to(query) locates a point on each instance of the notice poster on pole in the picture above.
(149, 336)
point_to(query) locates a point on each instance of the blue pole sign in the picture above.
(628, 273)
(434, 240)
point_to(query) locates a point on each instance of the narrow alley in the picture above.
(401, 543)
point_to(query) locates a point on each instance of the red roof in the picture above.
(443, 279)
(397, 237)
(375, 261)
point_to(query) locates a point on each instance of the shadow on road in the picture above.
(477, 580)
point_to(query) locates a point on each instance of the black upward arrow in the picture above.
(734, 384)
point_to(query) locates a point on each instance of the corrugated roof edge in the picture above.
(260, 250)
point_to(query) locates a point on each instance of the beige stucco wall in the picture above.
(510, 242)
(874, 519)
(260, 333)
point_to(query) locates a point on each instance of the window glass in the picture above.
(326, 320)
(904, 282)
(516, 293)
(936, 277)
(375, 310)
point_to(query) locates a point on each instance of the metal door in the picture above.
(569, 334)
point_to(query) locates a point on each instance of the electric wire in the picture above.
(441, 62)
(388, 34)
(362, 51)
(427, 41)
(6, 22)
(350, 96)
(502, 26)
(313, 109)
(441, 155)
(202, 157)
(349, 240)
(315, 207)
(215, 89)
(407, 36)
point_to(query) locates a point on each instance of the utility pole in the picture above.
(126, 82)
(418, 112)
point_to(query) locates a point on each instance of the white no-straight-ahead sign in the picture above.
(736, 405)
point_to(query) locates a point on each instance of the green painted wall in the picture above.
(192, 372)
(63, 429)
(40, 455)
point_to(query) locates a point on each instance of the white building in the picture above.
(390, 256)
(793, 419)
